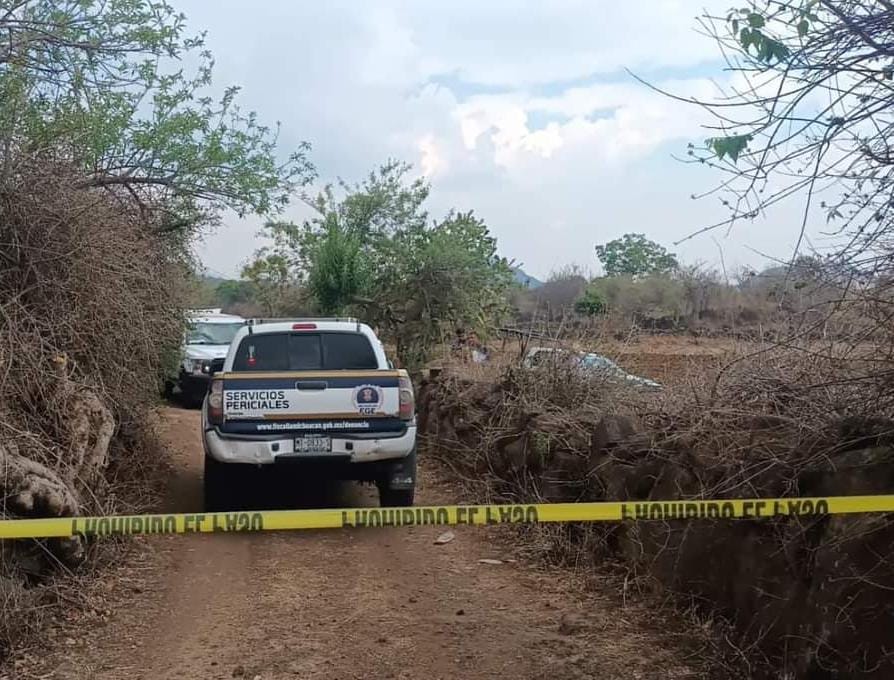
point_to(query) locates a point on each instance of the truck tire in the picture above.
(218, 487)
(192, 401)
(400, 497)
(396, 498)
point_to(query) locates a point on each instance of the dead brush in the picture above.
(89, 307)
(794, 597)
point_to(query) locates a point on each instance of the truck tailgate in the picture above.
(304, 401)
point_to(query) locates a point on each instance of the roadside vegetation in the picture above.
(114, 156)
(366, 246)
(803, 408)
(117, 148)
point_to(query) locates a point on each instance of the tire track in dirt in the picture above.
(336, 605)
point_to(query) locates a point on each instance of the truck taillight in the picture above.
(215, 402)
(407, 399)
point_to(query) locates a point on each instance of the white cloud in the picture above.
(431, 161)
(618, 122)
(554, 158)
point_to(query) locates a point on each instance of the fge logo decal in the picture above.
(367, 399)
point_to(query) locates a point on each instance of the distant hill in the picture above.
(524, 279)
(214, 281)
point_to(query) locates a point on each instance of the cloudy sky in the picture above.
(522, 112)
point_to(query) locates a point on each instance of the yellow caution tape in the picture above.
(276, 520)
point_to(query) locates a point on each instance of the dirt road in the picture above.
(347, 604)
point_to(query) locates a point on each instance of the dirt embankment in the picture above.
(386, 603)
(811, 597)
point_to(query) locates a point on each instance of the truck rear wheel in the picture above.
(219, 489)
(398, 488)
(396, 498)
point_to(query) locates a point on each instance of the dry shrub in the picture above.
(88, 312)
(806, 597)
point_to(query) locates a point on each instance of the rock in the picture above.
(489, 561)
(460, 612)
(444, 538)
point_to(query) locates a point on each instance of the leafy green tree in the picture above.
(271, 279)
(99, 83)
(449, 275)
(590, 303)
(339, 267)
(233, 292)
(371, 250)
(635, 255)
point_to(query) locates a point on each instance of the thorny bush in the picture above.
(805, 597)
(89, 309)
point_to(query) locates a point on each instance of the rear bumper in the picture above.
(345, 450)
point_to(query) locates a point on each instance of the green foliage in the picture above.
(210, 292)
(228, 293)
(635, 255)
(767, 49)
(100, 81)
(339, 268)
(731, 146)
(371, 250)
(449, 275)
(590, 303)
(271, 280)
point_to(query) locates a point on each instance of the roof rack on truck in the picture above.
(303, 320)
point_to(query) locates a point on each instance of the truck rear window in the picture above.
(305, 352)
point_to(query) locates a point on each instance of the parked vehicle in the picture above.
(208, 338)
(314, 395)
(589, 362)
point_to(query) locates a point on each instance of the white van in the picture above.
(208, 337)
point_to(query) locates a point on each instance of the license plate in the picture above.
(313, 444)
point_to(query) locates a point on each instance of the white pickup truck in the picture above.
(207, 338)
(314, 393)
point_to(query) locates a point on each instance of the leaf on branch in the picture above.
(768, 49)
(731, 146)
(776, 50)
(755, 20)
